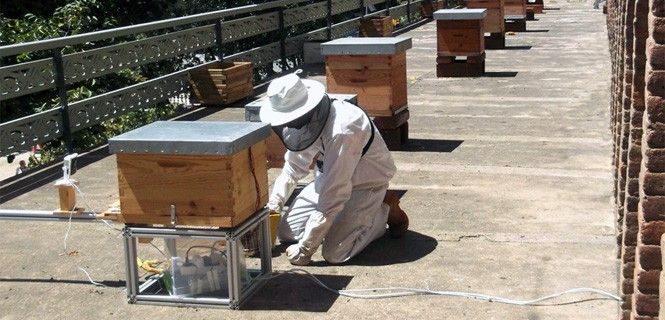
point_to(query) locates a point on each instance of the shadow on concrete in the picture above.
(108, 283)
(535, 31)
(387, 251)
(297, 293)
(500, 74)
(517, 48)
(431, 145)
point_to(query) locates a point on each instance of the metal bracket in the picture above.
(174, 218)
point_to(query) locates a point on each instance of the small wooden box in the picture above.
(221, 83)
(214, 173)
(372, 68)
(460, 32)
(515, 8)
(494, 22)
(376, 26)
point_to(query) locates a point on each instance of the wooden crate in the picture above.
(495, 13)
(219, 191)
(378, 80)
(376, 26)
(222, 83)
(515, 8)
(460, 37)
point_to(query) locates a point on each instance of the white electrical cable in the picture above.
(393, 292)
(90, 278)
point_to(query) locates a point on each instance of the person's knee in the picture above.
(334, 256)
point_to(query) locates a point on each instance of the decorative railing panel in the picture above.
(310, 12)
(88, 112)
(247, 27)
(26, 78)
(21, 134)
(94, 63)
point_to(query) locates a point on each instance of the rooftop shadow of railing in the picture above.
(213, 34)
(431, 145)
(106, 283)
(517, 48)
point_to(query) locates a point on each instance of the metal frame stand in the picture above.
(238, 291)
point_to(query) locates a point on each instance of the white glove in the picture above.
(296, 256)
(281, 191)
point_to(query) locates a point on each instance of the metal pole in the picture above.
(329, 19)
(45, 215)
(408, 11)
(219, 40)
(61, 86)
(282, 38)
(362, 8)
(388, 7)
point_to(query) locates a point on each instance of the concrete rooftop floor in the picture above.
(507, 183)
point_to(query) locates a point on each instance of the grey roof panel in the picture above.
(368, 45)
(190, 138)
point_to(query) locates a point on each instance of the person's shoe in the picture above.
(398, 221)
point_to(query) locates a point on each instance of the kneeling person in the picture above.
(343, 209)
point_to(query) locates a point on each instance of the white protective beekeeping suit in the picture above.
(343, 208)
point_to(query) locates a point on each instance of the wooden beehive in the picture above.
(376, 26)
(210, 181)
(460, 32)
(494, 22)
(221, 83)
(372, 68)
(515, 8)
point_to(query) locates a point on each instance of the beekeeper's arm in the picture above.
(296, 167)
(339, 163)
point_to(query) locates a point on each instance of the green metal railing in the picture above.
(160, 41)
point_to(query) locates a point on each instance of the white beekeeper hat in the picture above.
(290, 98)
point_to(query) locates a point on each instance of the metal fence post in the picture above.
(388, 2)
(61, 86)
(408, 11)
(282, 38)
(219, 40)
(362, 8)
(329, 19)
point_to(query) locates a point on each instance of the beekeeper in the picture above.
(343, 209)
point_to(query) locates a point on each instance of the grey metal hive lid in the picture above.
(369, 45)
(190, 138)
(460, 14)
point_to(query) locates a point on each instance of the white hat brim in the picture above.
(315, 92)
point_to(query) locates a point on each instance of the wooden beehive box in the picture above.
(515, 8)
(460, 32)
(494, 22)
(214, 173)
(376, 26)
(372, 68)
(275, 148)
(221, 83)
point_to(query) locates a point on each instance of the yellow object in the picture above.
(274, 222)
(149, 265)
